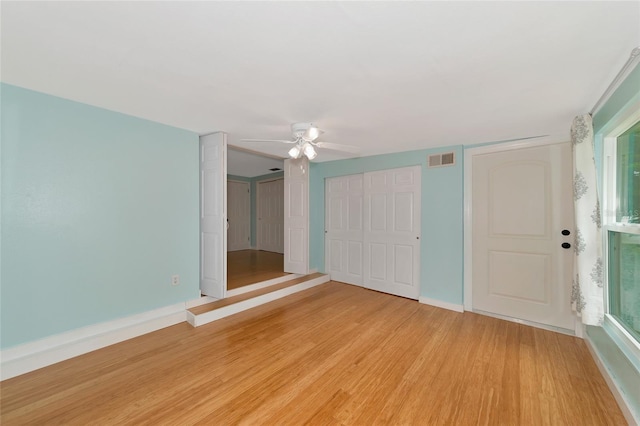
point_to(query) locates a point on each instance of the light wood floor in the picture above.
(334, 354)
(246, 267)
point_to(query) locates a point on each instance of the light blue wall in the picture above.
(99, 209)
(441, 248)
(253, 183)
(623, 369)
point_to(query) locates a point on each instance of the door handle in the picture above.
(566, 245)
(566, 232)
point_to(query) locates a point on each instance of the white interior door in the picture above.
(270, 212)
(392, 231)
(213, 226)
(522, 200)
(296, 216)
(343, 228)
(239, 215)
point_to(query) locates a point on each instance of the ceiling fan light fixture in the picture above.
(295, 151)
(304, 142)
(309, 151)
(313, 133)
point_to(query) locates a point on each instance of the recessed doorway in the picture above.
(261, 258)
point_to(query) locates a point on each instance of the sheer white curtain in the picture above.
(587, 290)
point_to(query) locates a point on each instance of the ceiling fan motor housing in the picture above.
(300, 127)
(302, 131)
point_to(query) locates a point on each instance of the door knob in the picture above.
(566, 232)
(566, 245)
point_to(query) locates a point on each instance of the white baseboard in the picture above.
(567, 331)
(441, 304)
(50, 350)
(225, 311)
(615, 390)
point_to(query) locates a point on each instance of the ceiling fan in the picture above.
(304, 138)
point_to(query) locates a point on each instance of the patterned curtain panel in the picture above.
(587, 291)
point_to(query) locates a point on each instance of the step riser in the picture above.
(207, 317)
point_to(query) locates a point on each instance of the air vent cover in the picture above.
(442, 160)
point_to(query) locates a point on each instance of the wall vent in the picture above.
(442, 160)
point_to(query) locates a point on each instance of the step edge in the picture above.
(262, 284)
(262, 299)
(300, 276)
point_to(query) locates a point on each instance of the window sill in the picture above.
(627, 343)
(629, 228)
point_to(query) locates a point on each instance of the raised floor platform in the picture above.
(213, 311)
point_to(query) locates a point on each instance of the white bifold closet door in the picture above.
(343, 228)
(296, 216)
(373, 234)
(213, 214)
(271, 215)
(238, 216)
(392, 231)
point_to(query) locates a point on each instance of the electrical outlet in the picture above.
(175, 279)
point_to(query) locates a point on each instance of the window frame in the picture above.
(628, 343)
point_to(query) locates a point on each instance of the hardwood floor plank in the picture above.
(333, 354)
(403, 406)
(246, 267)
(355, 356)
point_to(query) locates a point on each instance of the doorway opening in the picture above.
(255, 212)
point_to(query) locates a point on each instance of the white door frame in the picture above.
(223, 261)
(468, 185)
(259, 206)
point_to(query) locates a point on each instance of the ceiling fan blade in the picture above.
(267, 140)
(339, 147)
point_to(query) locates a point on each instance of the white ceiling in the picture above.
(384, 76)
(240, 163)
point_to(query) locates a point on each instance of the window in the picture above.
(624, 280)
(622, 229)
(628, 176)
